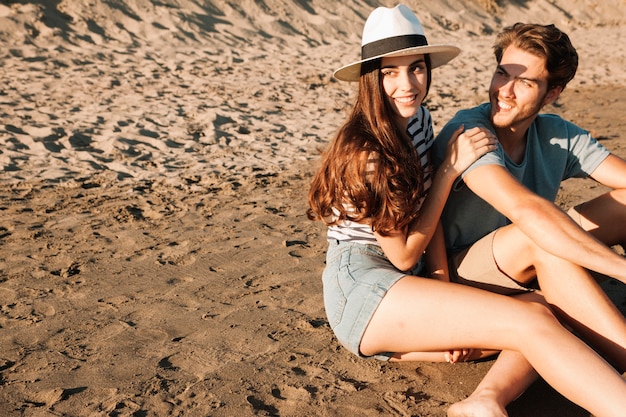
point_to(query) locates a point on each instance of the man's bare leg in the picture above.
(507, 379)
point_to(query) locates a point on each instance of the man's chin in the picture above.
(499, 120)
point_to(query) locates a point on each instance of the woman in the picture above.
(384, 283)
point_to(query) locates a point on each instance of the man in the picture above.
(503, 231)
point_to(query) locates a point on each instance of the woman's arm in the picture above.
(405, 247)
(436, 257)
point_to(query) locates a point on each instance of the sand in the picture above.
(155, 256)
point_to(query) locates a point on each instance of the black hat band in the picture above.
(393, 44)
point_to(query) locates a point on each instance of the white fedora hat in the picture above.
(394, 32)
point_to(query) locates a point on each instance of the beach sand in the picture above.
(155, 257)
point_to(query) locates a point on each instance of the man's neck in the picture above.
(513, 142)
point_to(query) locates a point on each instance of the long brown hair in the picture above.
(371, 171)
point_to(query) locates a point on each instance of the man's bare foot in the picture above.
(477, 406)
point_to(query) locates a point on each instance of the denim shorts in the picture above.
(356, 278)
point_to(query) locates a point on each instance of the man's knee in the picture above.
(603, 216)
(574, 213)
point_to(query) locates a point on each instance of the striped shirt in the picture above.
(420, 129)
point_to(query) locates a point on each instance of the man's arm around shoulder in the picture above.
(541, 220)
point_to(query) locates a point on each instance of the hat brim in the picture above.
(439, 55)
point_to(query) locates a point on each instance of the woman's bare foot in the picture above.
(477, 406)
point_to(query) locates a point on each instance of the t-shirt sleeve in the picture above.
(495, 157)
(476, 117)
(586, 153)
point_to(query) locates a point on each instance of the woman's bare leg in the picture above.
(426, 315)
(507, 379)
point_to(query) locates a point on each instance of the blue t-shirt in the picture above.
(556, 150)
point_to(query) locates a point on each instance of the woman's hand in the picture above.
(458, 355)
(465, 147)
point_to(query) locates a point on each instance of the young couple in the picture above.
(408, 213)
